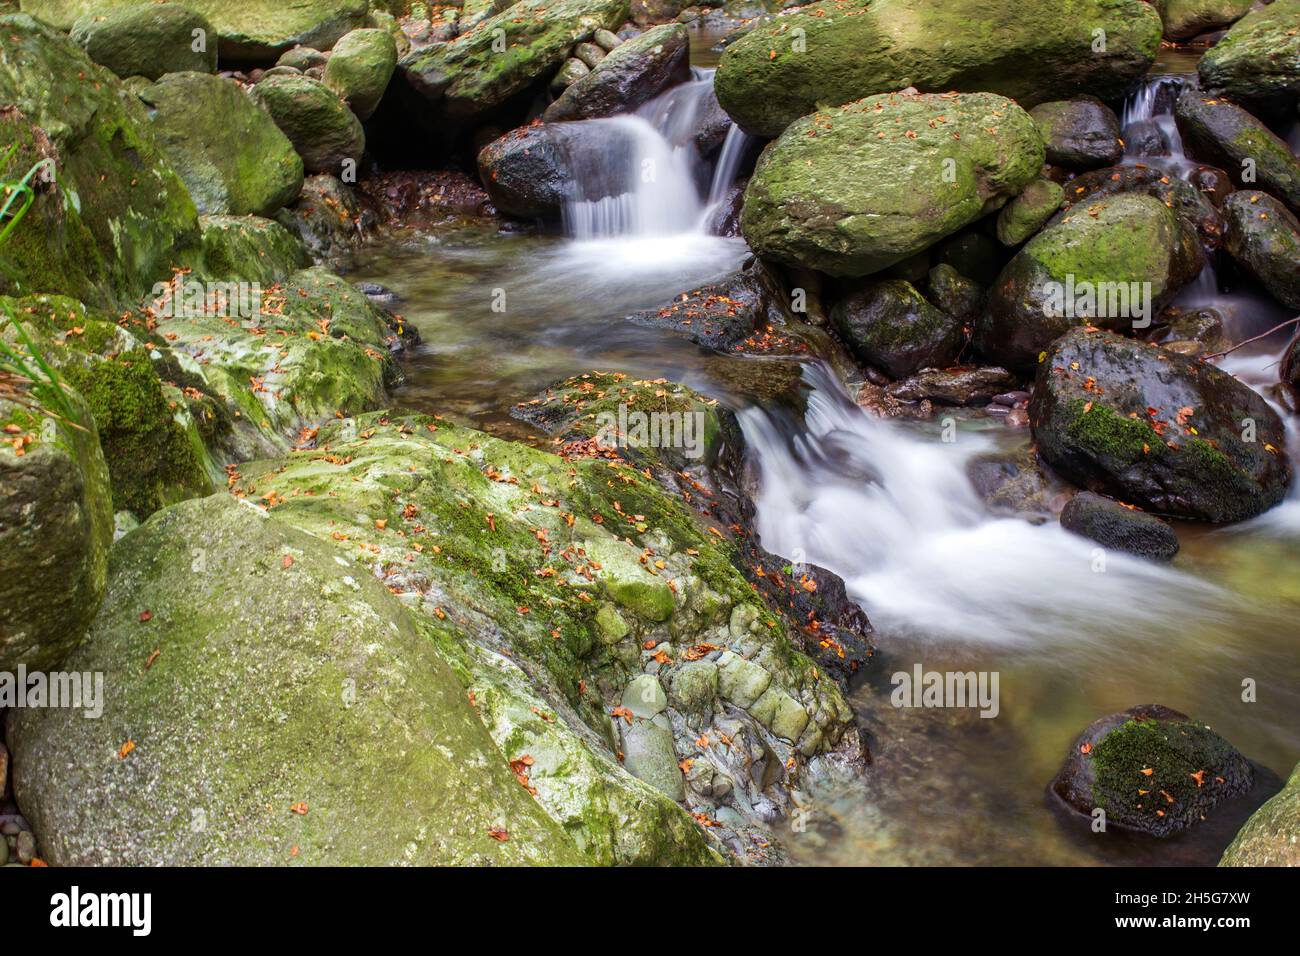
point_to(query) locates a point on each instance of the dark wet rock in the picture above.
(1185, 19)
(972, 385)
(953, 293)
(1223, 133)
(1259, 59)
(466, 78)
(229, 152)
(1118, 527)
(1025, 215)
(147, 40)
(1191, 204)
(853, 190)
(1214, 184)
(526, 171)
(1168, 433)
(1291, 364)
(1152, 770)
(714, 124)
(1090, 267)
(856, 48)
(890, 326)
(1145, 138)
(1201, 326)
(726, 219)
(633, 74)
(1017, 483)
(1271, 837)
(1081, 133)
(325, 132)
(718, 316)
(1264, 237)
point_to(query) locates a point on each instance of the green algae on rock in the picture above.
(1171, 434)
(148, 39)
(837, 51)
(360, 67)
(587, 574)
(257, 639)
(1264, 236)
(1111, 264)
(1152, 770)
(118, 215)
(1259, 58)
(852, 190)
(56, 520)
(468, 77)
(325, 132)
(1271, 837)
(1225, 134)
(228, 151)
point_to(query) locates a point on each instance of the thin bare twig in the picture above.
(1262, 335)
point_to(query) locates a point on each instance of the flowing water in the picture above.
(888, 506)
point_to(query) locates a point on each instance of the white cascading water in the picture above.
(891, 510)
(652, 189)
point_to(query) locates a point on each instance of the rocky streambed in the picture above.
(543, 433)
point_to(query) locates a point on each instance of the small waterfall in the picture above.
(644, 177)
(1150, 111)
(891, 510)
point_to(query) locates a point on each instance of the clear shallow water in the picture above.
(888, 506)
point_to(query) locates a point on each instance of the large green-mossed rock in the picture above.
(249, 30)
(557, 587)
(852, 190)
(360, 67)
(1185, 19)
(275, 705)
(1264, 236)
(838, 51)
(118, 215)
(232, 157)
(468, 76)
(56, 516)
(325, 132)
(149, 39)
(1111, 263)
(1154, 428)
(1271, 837)
(1259, 59)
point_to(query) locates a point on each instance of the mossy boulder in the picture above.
(258, 636)
(837, 51)
(852, 190)
(56, 515)
(554, 582)
(891, 327)
(1082, 133)
(1171, 434)
(228, 150)
(327, 135)
(1152, 770)
(118, 215)
(360, 67)
(1025, 215)
(279, 358)
(1193, 204)
(1112, 264)
(255, 31)
(468, 76)
(148, 39)
(249, 249)
(329, 217)
(1223, 133)
(1259, 58)
(1184, 19)
(1264, 237)
(634, 73)
(1119, 527)
(1271, 837)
